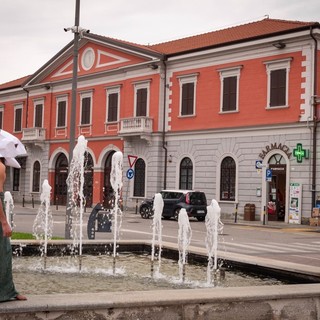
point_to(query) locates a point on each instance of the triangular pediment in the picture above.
(93, 57)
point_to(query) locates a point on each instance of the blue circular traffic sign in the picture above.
(130, 173)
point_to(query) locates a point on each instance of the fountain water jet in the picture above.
(116, 183)
(184, 239)
(9, 206)
(214, 227)
(43, 223)
(75, 183)
(157, 230)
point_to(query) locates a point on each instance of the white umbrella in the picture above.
(20, 149)
(12, 162)
(7, 148)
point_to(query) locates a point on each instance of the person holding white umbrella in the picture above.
(7, 288)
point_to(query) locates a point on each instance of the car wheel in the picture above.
(201, 218)
(176, 214)
(146, 212)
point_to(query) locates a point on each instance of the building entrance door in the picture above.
(60, 183)
(277, 189)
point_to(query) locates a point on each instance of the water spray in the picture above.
(157, 229)
(116, 183)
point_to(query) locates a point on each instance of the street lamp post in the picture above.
(72, 130)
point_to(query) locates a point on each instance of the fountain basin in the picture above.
(296, 301)
(250, 303)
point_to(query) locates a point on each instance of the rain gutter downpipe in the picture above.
(164, 143)
(315, 122)
(27, 106)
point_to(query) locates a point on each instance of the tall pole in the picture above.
(73, 110)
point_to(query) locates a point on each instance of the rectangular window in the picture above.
(113, 107)
(229, 100)
(61, 113)
(16, 179)
(18, 119)
(278, 82)
(278, 87)
(85, 110)
(38, 109)
(141, 98)
(187, 102)
(229, 79)
(188, 84)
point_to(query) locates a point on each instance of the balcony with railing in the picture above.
(137, 126)
(33, 135)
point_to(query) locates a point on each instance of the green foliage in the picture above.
(27, 236)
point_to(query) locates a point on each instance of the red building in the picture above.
(213, 112)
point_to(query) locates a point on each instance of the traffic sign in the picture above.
(258, 164)
(130, 173)
(132, 160)
(269, 175)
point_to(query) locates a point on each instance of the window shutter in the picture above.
(278, 88)
(113, 107)
(142, 102)
(187, 99)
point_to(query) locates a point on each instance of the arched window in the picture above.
(107, 188)
(186, 174)
(139, 178)
(228, 179)
(88, 179)
(36, 177)
(61, 175)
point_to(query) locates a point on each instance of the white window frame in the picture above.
(35, 103)
(276, 65)
(184, 79)
(227, 73)
(218, 180)
(112, 90)
(142, 85)
(61, 99)
(82, 96)
(16, 107)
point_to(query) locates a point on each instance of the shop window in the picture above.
(186, 174)
(227, 179)
(139, 178)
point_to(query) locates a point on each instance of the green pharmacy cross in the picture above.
(300, 153)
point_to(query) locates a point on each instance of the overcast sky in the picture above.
(32, 30)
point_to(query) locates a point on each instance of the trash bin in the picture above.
(104, 221)
(249, 212)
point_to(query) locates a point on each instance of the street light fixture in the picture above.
(78, 33)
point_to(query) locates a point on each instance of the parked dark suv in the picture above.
(194, 202)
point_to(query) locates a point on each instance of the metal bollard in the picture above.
(22, 200)
(236, 213)
(32, 201)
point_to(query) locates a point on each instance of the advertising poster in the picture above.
(295, 203)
